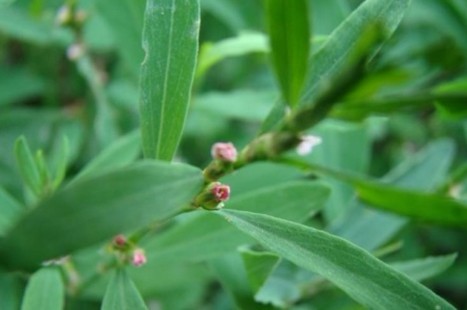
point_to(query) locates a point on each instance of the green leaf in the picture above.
(371, 228)
(117, 155)
(170, 41)
(11, 291)
(205, 236)
(231, 274)
(97, 208)
(421, 269)
(366, 279)
(27, 166)
(341, 47)
(10, 211)
(289, 36)
(333, 56)
(45, 291)
(259, 266)
(122, 293)
(244, 43)
(434, 208)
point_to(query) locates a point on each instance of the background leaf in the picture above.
(45, 291)
(363, 277)
(28, 166)
(170, 41)
(97, 208)
(434, 208)
(122, 293)
(424, 268)
(289, 36)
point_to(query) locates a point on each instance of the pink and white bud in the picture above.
(75, 51)
(224, 151)
(119, 240)
(307, 144)
(139, 258)
(221, 192)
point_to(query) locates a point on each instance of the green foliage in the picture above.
(350, 268)
(45, 290)
(373, 90)
(122, 293)
(289, 37)
(167, 73)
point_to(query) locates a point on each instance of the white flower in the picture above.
(307, 144)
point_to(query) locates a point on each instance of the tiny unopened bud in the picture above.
(221, 192)
(75, 51)
(224, 151)
(139, 258)
(63, 16)
(119, 240)
(307, 144)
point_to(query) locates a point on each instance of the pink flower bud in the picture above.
(220, 191)
(308, 143)
(119, 240)
(224, 151)
(139, 258)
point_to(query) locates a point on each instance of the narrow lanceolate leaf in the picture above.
(334, 54)
(290, 44)
(366, 279)
(430, 207)
(97, 208)
(45, 291)
(170, 41)
(122, 294)
(27, 166)
(421, 269)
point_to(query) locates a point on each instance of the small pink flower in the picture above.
(308, 143)
(220, 191)
(139, 258)
(224, 151)
(119, 240)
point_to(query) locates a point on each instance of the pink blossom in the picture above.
(224, 151)
(139, 258)
(220, 191)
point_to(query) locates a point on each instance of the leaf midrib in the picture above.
(164, 92)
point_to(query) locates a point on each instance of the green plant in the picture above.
(304, 215)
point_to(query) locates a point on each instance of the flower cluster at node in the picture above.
(224, 151)
(127, 251)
